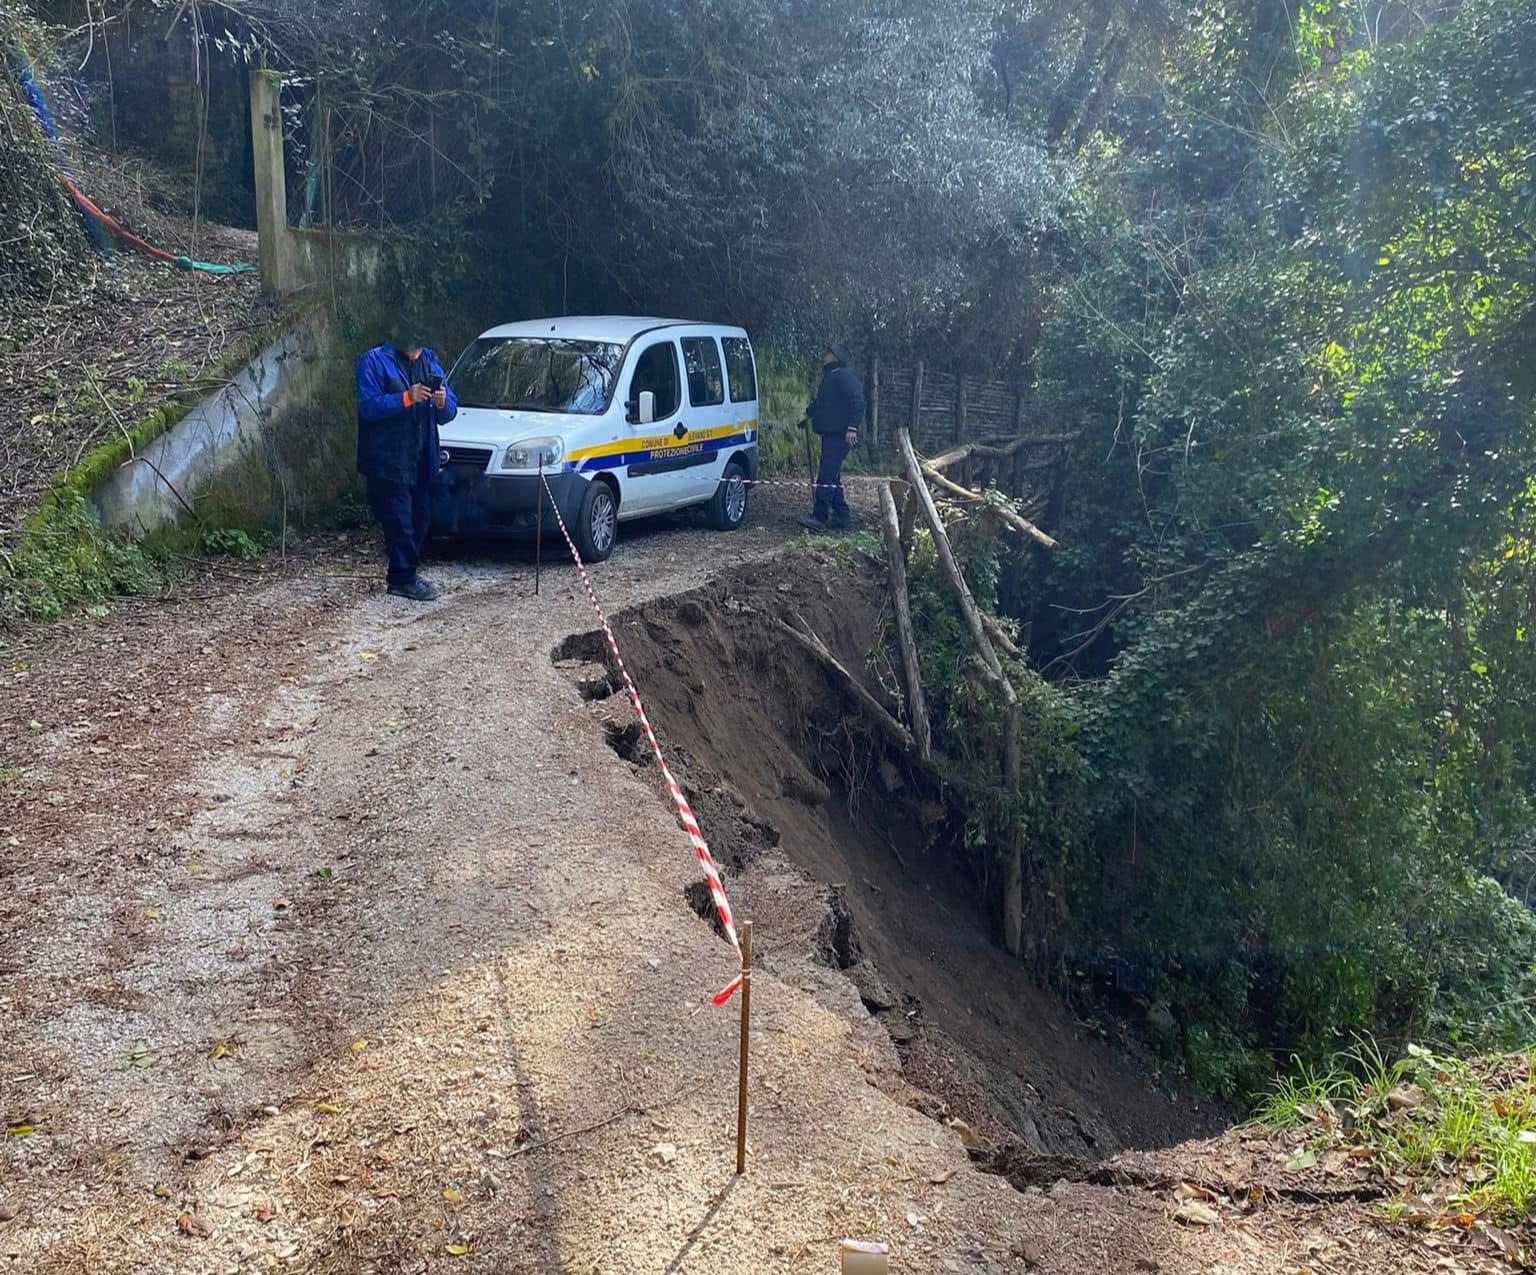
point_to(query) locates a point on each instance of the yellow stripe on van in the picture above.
(659, 442)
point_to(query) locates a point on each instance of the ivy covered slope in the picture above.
(1307, 715)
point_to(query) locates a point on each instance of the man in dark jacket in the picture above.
(835, 414)
(401, 398)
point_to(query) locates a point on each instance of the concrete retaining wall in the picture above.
(269, 446)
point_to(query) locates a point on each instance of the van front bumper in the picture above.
(475, 503)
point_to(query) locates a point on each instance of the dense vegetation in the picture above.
(1275, 262)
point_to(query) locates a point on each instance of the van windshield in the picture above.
(537, 374)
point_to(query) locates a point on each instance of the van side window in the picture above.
(657, 371)
(706, 382)
(738, 362)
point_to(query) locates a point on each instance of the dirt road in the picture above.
(333, 937)
(335, 916)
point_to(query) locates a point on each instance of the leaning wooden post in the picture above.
(1013, 885)
(917, 708)
(968, 608)
(746, 1029)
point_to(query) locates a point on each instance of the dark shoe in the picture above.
(417, 590)
(842, 522)
(813, 522)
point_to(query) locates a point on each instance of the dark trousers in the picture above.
(830, 504)
(404, 511)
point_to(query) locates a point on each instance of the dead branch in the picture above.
(908, 515)
(999, 637)
(998, 449)
(810, 642)
(917, 708)
(1017, 521)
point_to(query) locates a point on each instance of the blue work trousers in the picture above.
(830, 503)
(404, 511)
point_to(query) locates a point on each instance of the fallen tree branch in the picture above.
(1017, 521)
(999, 637)
(632, 1109)
(999, 449)
(917, 708)
(810, 642)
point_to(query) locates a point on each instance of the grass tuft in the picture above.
(1461, 1133)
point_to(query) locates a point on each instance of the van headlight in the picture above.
(532, 453)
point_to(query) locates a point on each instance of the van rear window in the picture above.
(740, 369)
(537, 374)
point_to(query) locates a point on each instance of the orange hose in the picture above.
(114, 227)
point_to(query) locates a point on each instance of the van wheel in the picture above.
(597, 525)
(727, 508)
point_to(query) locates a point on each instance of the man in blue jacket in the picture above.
(401, 398)
(835, 414)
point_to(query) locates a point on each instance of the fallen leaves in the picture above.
(1196, 1213)
(222, 1049)
(664, 1152)
(20, 1130)
(457, 1250)
(191, 1224)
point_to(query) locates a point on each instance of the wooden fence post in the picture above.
(874, 403)
(962, 433)
(914, 425)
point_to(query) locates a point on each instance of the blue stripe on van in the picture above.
(623, 459)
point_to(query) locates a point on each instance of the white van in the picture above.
(627, 417)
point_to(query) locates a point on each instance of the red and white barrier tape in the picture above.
(684, 810)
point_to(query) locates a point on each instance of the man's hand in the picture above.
(419, 394)
(440, 398)
(852, 436)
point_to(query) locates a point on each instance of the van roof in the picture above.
(616, 328)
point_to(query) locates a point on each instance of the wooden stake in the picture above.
(746, 1029)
